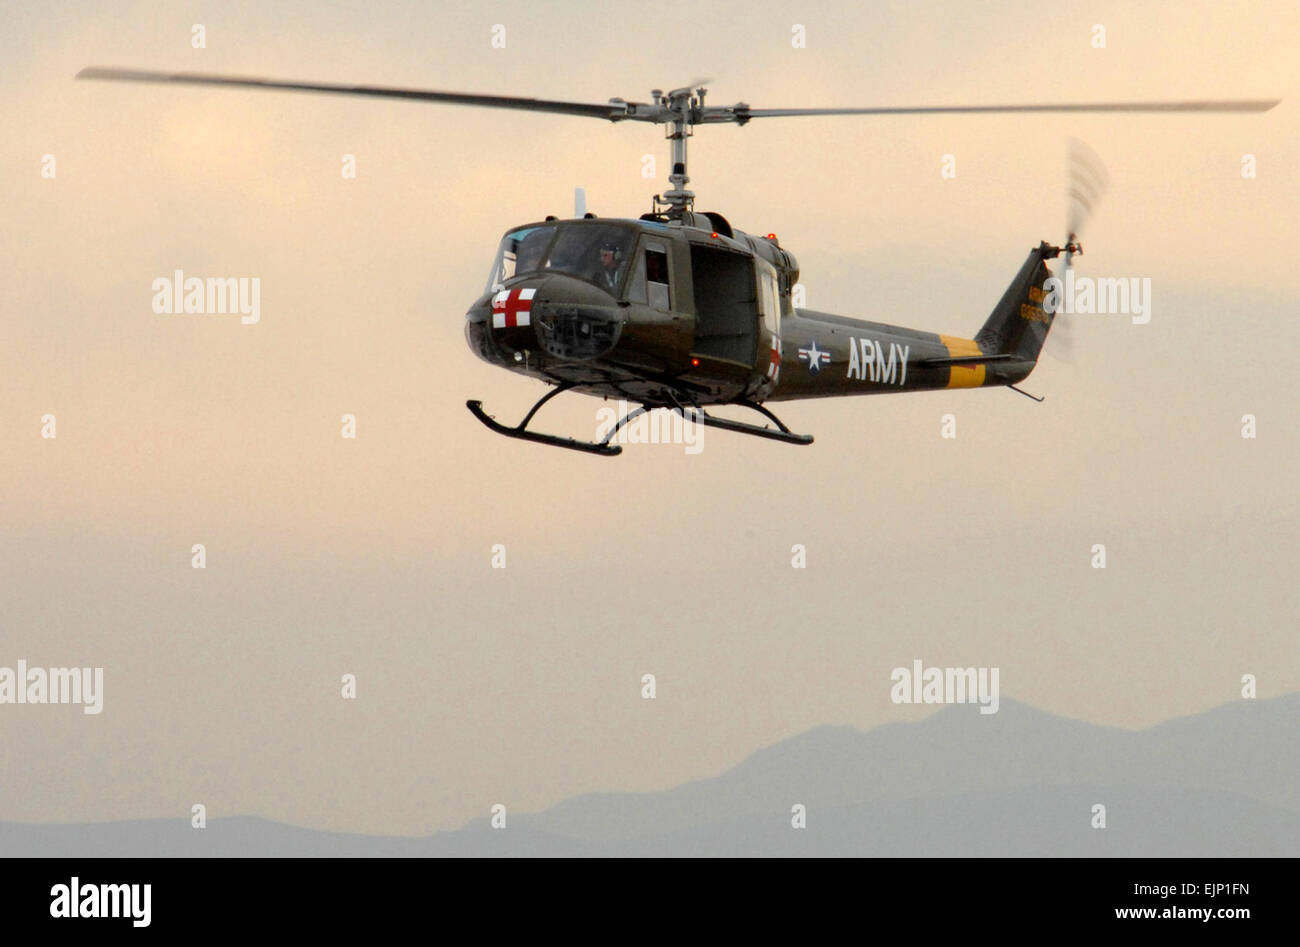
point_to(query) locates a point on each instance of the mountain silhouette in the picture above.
(1020, 782)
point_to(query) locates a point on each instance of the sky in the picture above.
(372, 556)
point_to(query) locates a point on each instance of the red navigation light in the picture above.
(695, 362)
(715, 236)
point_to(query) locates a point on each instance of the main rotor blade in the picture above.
(743, 113)
(389, 92)
(619, 110)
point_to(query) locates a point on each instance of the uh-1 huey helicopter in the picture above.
(677, 309)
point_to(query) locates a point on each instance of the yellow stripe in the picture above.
(963, 376)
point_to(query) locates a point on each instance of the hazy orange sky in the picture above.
(372, 556)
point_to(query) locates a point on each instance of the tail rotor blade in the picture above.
(1060, 343)
(1086, 183)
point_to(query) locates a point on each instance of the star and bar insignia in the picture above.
(814, 357)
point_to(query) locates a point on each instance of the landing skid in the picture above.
(693, 412)
(783, 433)
(519, 431)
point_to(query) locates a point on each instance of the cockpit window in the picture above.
(596, 252)
(520, 251)
(531, 249)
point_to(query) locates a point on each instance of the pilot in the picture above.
(606, 275)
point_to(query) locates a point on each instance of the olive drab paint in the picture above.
(648, 353)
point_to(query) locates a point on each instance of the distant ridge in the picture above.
(1021, 782)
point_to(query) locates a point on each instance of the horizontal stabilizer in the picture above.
(967, 360)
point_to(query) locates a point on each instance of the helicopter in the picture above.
(678, 309)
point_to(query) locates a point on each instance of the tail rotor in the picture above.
(1086, 183)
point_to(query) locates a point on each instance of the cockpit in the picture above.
(597, 251)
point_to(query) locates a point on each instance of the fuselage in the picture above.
(638, 309)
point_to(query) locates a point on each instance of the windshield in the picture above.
(594, 251)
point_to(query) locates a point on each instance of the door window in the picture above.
(769, 301)
(650, 280)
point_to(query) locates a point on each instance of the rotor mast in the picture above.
(682, 108)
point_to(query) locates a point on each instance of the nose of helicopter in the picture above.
(561, 316)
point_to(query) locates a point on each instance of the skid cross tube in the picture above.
(637, 412)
